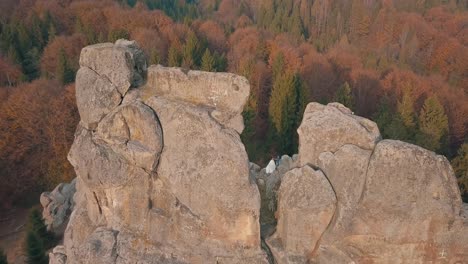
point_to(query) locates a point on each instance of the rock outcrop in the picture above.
(58, 205)
(395, 202)
(163, 177)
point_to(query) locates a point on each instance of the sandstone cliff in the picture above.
(163, 177)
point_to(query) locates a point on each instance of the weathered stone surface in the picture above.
(95, 96)
(412, 185)
(202, 160)
(133, 130)
(306, 205)
(396, 202)
(162, 178)
(123, 64)
(58, 255)
(97, 164)
(328, 128)
(58, 205)
(346, 170)
(100, 247)
(225, 93)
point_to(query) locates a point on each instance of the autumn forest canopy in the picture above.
(402, 63)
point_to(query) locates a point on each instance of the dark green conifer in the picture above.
(3, 257)
(35, 250)
(208, 61)
(344, 96)
(64, 73)
(173, 56)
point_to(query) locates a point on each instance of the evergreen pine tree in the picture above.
(262, 50)
(278, 66)
(403, 125)
(13, 54)
(301, 104)
(460, 167)
(35, 251)
(173, 57)
(51, 33)
(7, 37)
(37, 37)
(406, 109)
(30, 64)
(433, 125)
(295, 23)
(48, 28)
(287, 103)
(192, 52)
(36, 224)
(344, 96)
(24, 39)
(154, 57)
(220, 62)
(79, 27)
(3, 258)
(383, 117)
(63, 71)
(208, 62)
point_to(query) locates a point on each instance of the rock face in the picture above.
(395, 202)
(224, 93)
(303, 214)
(163, 177)
(162, 174)
(58, 204)
(328, 128)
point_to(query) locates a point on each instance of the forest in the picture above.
(401, 63)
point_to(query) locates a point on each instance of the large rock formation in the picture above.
(392, 202)
(164, 178)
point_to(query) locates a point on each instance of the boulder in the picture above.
(224, 93)
(414, 186)
(306, 205)
(122, 64)
(202, 160)
(396, 202)
(346, 170)
(58, 255)
(96, 96)
(133, 130)
(328, 128)
(58, 205)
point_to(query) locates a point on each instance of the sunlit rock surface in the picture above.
(163, 177)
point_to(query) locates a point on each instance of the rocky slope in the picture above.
(163, 177)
